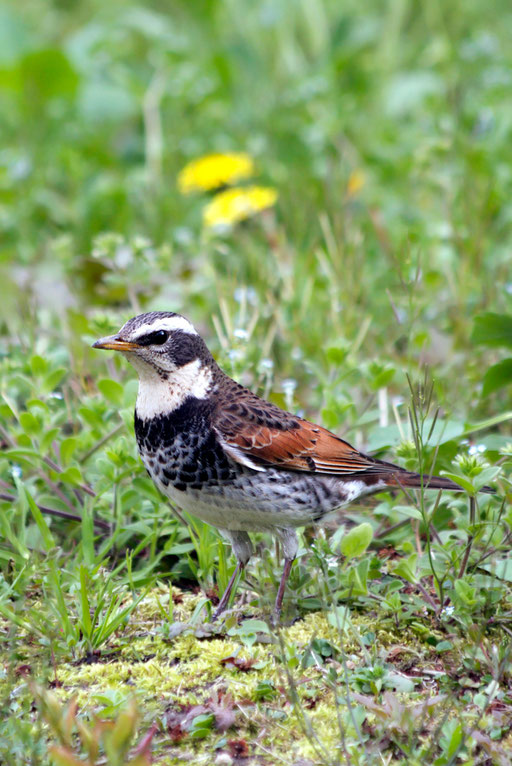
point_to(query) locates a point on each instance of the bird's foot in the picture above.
(227, 593)
(220, 609)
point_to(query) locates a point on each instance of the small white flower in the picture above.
(123, 256)
(289, 385)
(247, 293)
(183, 235)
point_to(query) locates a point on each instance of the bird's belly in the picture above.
(233, 510)
(253, 501)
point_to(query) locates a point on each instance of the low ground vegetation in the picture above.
(366, 285)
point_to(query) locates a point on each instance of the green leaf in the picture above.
(47, 74)
(493, 329)
(6, 411)
(38, 365)
(251, 626)
(91, 417)
(330, 418)
(486, 476)
(248, 631)
(465, 592)
(53, 379)
(358, 577)
(19, 454)
(357, 541)
(84, 602)
(381, 375)
(11, 616)
(409, 510)
(111, 390)
(61, 607)
(336, 355)
(462, 481)
(33, 404)
(483, 425)
(444, 646)
(201, 725)
(87, 535)
(501, 568)
(47, 438)
(29, 423)
(71, 475)
(67, 448)
(110, 625)
(451, 738)
(47, 536)
(406, 568)
(497, 376)
(400, 682)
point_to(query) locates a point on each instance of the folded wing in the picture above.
(269, 436)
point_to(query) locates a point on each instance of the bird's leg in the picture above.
(290, 545)
(242, 548)
(227, 593)
(276, 616)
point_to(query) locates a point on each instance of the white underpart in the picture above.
(355, 489)
(165, 323)
(159, 396)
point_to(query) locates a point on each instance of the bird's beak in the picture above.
(114, 343)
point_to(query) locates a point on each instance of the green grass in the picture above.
(374, 298)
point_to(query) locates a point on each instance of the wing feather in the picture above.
(260, 433)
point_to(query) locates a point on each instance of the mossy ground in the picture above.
(280, 708)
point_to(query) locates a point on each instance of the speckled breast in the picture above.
(180, 449)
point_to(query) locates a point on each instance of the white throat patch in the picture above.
(159, 396)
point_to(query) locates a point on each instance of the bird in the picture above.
(233, 459)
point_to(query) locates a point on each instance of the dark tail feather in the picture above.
(394, 476)
(417, 481)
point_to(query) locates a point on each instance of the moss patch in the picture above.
(266, 695)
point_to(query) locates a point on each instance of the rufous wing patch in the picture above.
(299, 445)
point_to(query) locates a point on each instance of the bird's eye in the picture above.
(156, 338)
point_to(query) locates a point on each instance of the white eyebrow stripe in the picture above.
(166, 323)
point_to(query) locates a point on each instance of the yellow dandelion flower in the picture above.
(355, 183)
(214, 170)
(233, 205)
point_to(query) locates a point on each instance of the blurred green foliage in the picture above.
(103, 104)
(386, 130)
